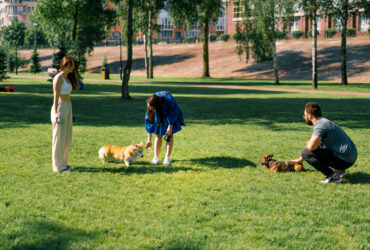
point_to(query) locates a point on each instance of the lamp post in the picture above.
(11, 32)
(120, 57)
(35, 25)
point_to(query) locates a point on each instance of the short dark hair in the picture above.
(314, 109)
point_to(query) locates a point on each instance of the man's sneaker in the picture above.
(341, 173)
(154, 161)
(167, 161)
(332, 179)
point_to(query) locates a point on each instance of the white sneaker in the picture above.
(167, 161)
(154, 161)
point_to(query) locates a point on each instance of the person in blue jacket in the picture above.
(163, 118)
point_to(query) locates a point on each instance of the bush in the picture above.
(212, 37)
(351, 32)
(105, 65)
(297, 34)
(368, 30)
(21, 62)
(309, 33)
(237, 36)
(224, 37)
(57, 58)
(331, 32)
(190, 39)
(35, 62)
(280, 34)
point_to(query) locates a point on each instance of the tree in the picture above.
(74, 25)
(259, 31)
(125, 11)
(35, 62)
(311, 8)
(14, 35)
(204, 11)
(148, 10)
(30, 37)
(3, 65)
(341, 10)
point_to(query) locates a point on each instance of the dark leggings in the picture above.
(322, 159)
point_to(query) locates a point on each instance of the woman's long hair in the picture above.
(74, 76)
(156, 102)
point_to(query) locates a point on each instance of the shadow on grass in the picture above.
(222, 162)
(41, 234)
(266, 109)
(328, 66)
(358, 178)
(145, 168)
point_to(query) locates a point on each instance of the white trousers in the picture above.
(62, 135)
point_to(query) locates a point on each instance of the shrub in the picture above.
(351, 32)
(368, 30)
(21, 62)
(190, 39)
(309, 33)
(331, 32)
(212, 37)
(237, 36)
(105, 65)
(280, 34)
(297, 34)
(224, 37)
(35, 62)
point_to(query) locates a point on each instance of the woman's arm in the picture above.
(149, 141)
(57, 84)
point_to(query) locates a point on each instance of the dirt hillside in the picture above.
(294, 59)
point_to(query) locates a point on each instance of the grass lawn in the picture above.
(284, 84)
(215, 195)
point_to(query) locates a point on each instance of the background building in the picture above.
(15, 9)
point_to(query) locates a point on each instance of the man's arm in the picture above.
(313, 143)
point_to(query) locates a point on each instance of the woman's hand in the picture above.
(148, 145)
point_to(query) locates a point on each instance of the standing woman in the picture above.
(61, 113)
(163, 117)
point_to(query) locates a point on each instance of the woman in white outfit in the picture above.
(61, 113)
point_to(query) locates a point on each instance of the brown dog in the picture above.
(128, 155)
(280, 166)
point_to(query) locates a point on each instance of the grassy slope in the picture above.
(215, 195)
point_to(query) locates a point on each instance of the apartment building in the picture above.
(170, 31)
(15, 9)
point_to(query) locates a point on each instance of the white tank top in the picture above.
(66, 88)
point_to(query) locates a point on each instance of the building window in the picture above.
(23, 8)
(192, 33)
(239, 8)
(293, 25)
(13, 10)
(364, 23)
(166, 34)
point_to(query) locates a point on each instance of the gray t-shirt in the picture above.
(335, 139)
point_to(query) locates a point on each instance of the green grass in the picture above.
(215, 195)
(263, 83)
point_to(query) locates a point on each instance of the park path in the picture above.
(224, 87)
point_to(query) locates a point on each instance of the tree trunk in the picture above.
(150, 40)
(146, 55)
(343, 47)
(314, 49)
(16, 58)
(74, 25)
(129, 35)
(205, 49)
(273, 36)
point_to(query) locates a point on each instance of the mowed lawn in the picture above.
(215, 195)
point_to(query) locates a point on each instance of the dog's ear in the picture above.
(133, 143)
(270, 156)
(141, 144)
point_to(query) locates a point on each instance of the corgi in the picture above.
(280, 166)
(128, 155)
